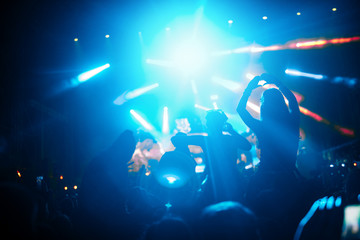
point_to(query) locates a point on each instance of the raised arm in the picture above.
(240, 141)
(241, 108)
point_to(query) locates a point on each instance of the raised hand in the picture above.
(270, 79)
(254, 83)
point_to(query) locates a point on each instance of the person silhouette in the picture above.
(273, 190)
(278, 129)
(221, 151)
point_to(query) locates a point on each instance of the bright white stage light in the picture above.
(141, 120)
(165, 126)
(89, 74)
(294, 72)
(189, 57)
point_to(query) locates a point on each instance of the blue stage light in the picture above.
(294, 72)
(128, 95)
(190, 57)
(338, 201)
(89, 74)
(141, 120)
(165, 126)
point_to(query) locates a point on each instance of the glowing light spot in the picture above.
(322, 203)
(107, 36)
(75, 187)
(248, 166)
(331, 165)
(61, 177)
(230, 21)
(18, 173)
(334, 9)
(76, 39)
(65, 188)
(167, 28)
(264, 17)
(171, 180)
(298, 13)
(330, 203)
(200, 168)
(355, 164)
(338, 201)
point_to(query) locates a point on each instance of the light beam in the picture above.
(141, 120)
(89, 74)
(165, 126)
(134, 93)
(294, 72)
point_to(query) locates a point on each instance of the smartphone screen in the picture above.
(351, 222)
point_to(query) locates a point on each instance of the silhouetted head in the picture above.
(168, 228)
(177, 142)
(215, 120)
(273, 106)
(229, 220)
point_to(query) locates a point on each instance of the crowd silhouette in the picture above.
(165, 198)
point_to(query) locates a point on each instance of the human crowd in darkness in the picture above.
(274, 202)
